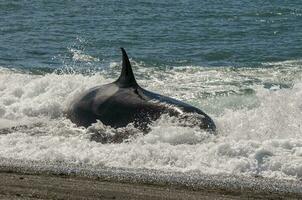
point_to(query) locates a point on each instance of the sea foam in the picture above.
(258, 120)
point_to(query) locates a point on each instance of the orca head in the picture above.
(126, 78)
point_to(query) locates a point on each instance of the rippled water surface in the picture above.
(239, 61)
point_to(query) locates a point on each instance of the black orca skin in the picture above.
(122, 102)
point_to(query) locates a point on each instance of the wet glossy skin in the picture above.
(118, 107)
(122, 102)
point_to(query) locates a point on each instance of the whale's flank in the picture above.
(122, 102)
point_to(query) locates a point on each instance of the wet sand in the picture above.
(19, 182)
(15, 186)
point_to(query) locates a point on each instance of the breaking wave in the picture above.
(257, 112)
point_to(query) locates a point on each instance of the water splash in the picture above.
(259, 125)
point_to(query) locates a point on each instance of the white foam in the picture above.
(79, 55)
(259, 132)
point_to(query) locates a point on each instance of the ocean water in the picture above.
(239, 61)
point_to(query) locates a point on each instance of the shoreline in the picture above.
(58, 181)
(25, 186)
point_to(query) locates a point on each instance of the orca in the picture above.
(122, 102)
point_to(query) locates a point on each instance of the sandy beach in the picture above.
(73, 182)
(24, 186)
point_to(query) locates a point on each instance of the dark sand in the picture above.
(65, 182)
(15, 186)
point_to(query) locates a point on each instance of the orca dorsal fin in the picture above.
(126, 78)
